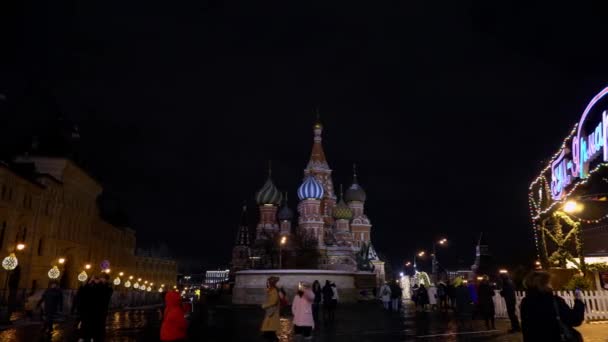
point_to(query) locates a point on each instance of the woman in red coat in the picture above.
(174, 324)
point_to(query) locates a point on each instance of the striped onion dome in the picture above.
(268, 194)
(342, 211)
(310, 189)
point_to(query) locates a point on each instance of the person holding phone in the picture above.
(547, 317)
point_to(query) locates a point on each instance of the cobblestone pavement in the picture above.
(364, 322)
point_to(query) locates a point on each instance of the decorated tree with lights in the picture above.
(562, 240)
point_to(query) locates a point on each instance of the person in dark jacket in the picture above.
(508, 293)
(93, 307)
(485, 302)
(329, 305)
(422, 297)
(463, 304)
(316, 289)
(542, 312)
(396, 294)
(53, 304)
(451, 292)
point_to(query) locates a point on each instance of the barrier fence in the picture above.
(596, 303)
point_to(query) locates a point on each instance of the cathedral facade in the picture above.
(337, 226)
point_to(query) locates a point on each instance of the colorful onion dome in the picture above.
(310, 189)
(268, 194)
(285, 213)
(355, 192)
(342, 211)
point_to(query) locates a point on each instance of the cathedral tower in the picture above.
(241, 250)
(310, 219)
(360, 226)
(267, 198)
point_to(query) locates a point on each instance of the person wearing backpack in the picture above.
(385, 295)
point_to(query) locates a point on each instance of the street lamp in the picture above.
(441, 242)
(20, 246)
(420, 255)
(87, 266)
(281, 243)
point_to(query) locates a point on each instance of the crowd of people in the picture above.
(305, 307)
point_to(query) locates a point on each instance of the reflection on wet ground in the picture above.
(354, 322)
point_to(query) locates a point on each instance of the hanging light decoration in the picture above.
(10, 262)
(160, 289)
(127, 284)
(149, 289)
(136, 285)
(54, 272)
(117, 281)
(83, 276)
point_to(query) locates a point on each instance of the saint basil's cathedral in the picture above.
(338, 226)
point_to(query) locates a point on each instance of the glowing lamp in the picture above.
(421, 254)
(283, 240)
(87, 266)
(160, 289)
(127, 284)
(121, 274)
(107, 270)
(480, 278)
(136, 285)
(61, 260)
(117, 281)
(20, 246)
(503, 271)
(82, 277)
(130, 277)
(149, 289)
(10, 262)
(572, 207)
(54, 273)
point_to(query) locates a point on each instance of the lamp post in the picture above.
(420, 255)
(281, 243)
(441, 242)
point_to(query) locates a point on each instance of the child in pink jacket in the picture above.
(302, 312)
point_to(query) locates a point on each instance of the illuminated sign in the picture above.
(585, 149)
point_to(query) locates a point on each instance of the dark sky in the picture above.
(447, 108)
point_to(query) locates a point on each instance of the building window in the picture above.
(40, 247)
(3, 191)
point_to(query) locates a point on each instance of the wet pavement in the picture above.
(365, 322)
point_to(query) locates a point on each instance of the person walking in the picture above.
(545, 316)
(93, 307)
(485, 298)
(415, 296)
(396, 294)
(451, 292)
(508, 293)
(463, 304)
(385, 295)
(432, 291)
(422, 297)
(53, 304)
(271, 323)
(316, 289)
(301, 308)
(328, 303)
(443, 296)
(174, 326)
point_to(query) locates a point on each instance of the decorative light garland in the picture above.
(10, 262)
(117, 281)
(54, 273)
(127, 284)
(83, 276)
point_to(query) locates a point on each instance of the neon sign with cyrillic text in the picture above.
(585, 148)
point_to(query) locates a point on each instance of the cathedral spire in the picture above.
(317, 155)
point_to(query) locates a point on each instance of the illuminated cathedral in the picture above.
(338, 226)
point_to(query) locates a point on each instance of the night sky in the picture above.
(448, 109)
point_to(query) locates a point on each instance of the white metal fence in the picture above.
(596, 303)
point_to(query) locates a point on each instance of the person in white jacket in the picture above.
(385, 295)
(301, 307)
